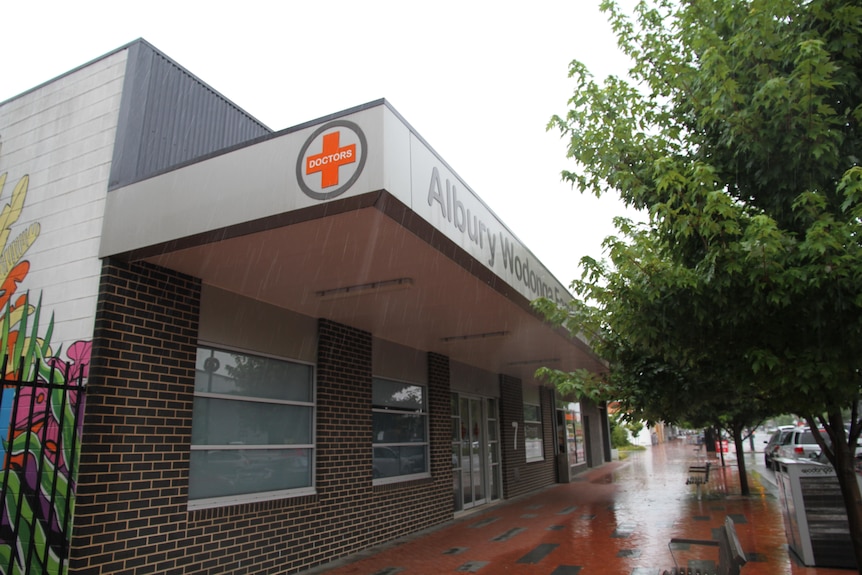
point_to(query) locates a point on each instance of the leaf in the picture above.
(12, 210)
(10, 284)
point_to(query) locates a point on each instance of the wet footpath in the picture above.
(614, 519)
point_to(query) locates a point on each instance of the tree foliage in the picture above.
(737, 133)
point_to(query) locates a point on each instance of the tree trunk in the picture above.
(709, 439)
(844, 462)
(846, 473)
(739, 444)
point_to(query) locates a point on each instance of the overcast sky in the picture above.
(477, 80)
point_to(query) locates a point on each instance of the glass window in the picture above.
(400, 430)
(572, 429)
(577, 451)
(494, 483)
(252, 428)
(533, 437)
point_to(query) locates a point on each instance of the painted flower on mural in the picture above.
(40, 437)
(79, 361)
(34, 415)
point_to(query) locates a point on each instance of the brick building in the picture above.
(295, 344)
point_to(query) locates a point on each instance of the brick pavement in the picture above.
(617, 519)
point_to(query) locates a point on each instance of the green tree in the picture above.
(693, 390)
(634, 427)
(619, 437)
(737, 133)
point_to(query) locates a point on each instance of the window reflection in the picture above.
(400, 429)
(252, 424)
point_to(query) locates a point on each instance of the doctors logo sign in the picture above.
(331, 160)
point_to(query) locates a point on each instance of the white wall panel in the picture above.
(237, 322)
(61, 136)
(394, 361)
(473, 381)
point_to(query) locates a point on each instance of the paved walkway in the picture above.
(616, 519)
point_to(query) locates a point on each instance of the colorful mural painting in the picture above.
(40, 406)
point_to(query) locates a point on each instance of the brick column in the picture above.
(440, 413)
(133, 475)
(520, 477)
(343, 416)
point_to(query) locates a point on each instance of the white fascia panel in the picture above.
(444, 200)
(244, 185)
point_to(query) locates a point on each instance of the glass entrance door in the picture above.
(475, 451)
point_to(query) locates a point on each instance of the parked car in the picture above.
(800, 444)
(774, 442)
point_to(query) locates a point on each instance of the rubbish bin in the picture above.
(815, 518)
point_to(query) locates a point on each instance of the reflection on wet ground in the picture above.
(615, 519)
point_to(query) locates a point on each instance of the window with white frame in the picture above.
(252, 428)
(400, 423)
(533, 437)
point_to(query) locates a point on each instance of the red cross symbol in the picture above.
(330, 159)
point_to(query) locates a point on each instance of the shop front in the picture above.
(299, 344)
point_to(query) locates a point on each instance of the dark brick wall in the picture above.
(132, 515)
(597, 433)
(520, 477)
(133, 475)
(438, 497)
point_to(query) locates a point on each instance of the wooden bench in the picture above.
(731, 558)
(698, 475)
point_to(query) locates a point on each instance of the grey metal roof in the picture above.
(170, 117)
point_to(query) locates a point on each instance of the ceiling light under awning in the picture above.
(544, 361)
(472, 336)
(365, 289)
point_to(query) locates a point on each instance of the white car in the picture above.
(800, 444)
(770, 451)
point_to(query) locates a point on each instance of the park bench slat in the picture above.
(731, 557)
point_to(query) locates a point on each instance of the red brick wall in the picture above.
(520, 477)
(131, 514)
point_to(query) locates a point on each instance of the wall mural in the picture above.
(41, 400)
